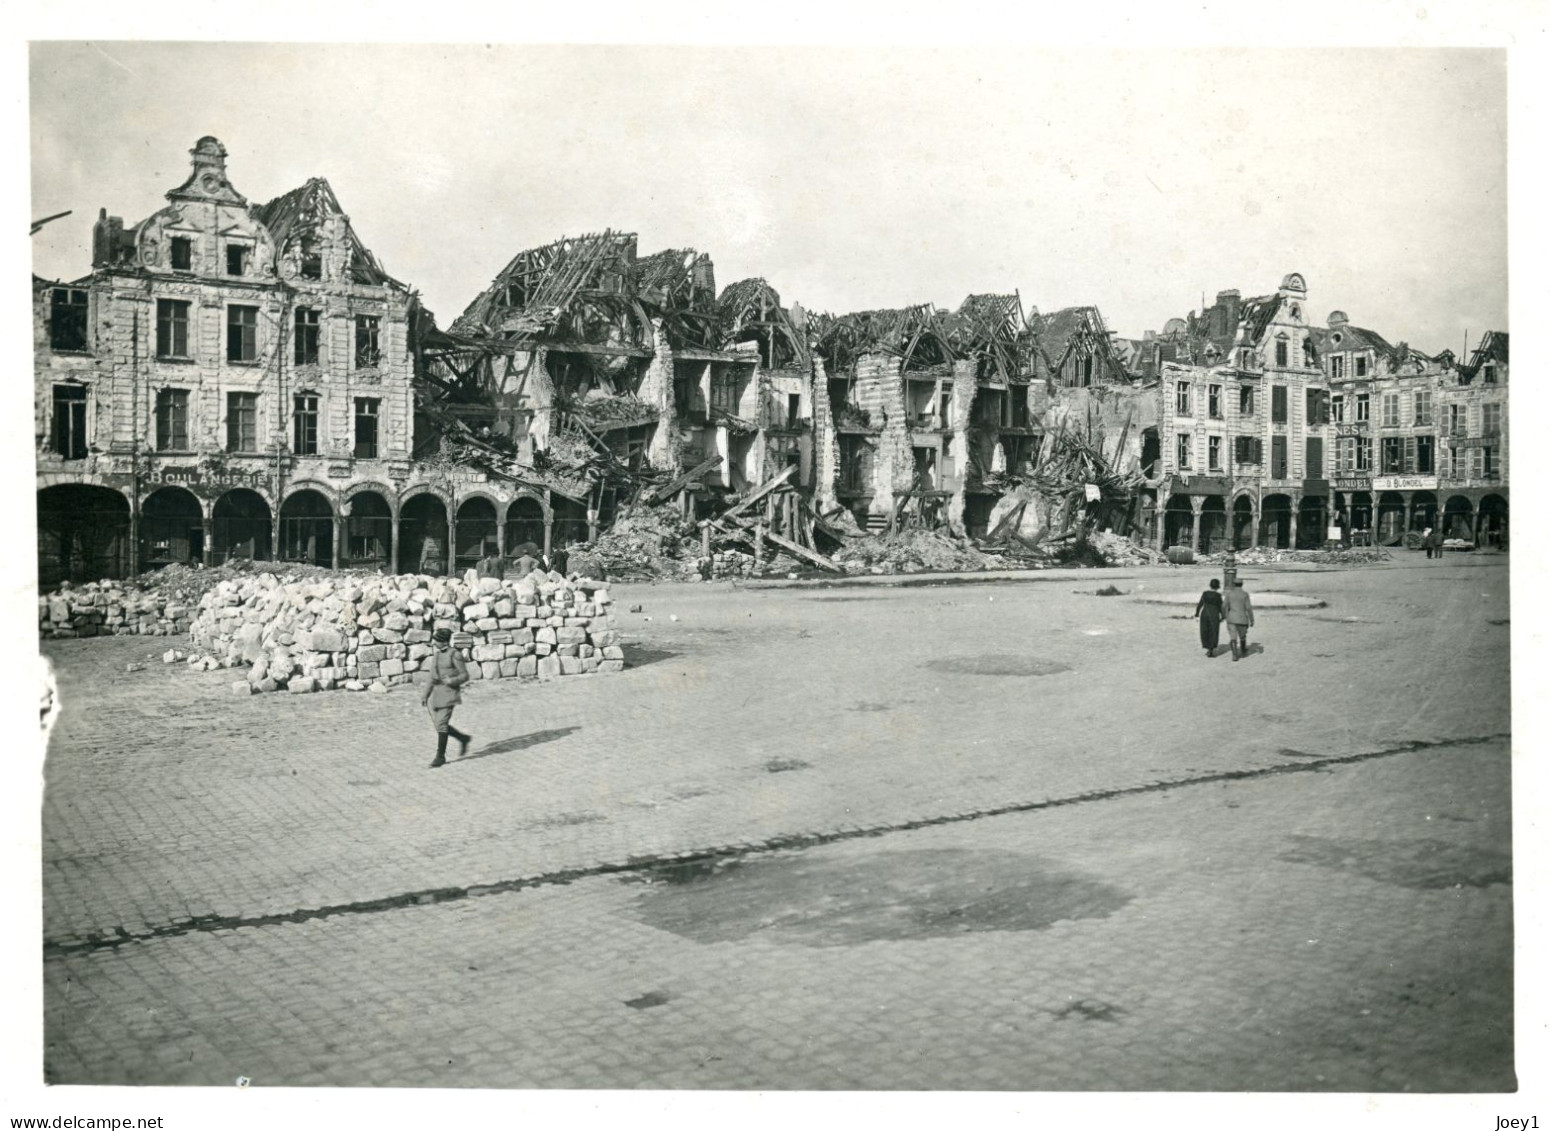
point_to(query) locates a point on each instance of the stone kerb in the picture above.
(356, 634)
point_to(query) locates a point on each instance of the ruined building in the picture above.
(241, 381)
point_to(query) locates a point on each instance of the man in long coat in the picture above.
(1240, 618)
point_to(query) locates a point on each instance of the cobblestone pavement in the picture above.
(993, 836)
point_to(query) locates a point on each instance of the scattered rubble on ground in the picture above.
(341, 631)
(1259, 555)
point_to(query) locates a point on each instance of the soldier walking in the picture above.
(449, 672)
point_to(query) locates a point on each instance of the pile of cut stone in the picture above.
(106, 608)
(361, 634)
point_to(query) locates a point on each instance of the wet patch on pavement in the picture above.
(865, 706)
(829, 901)
(1087, 1010)
(786, 765)
(998, 665)
(648, 1001)
(1424, 865)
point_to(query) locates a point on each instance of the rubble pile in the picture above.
(360, 633)
(106, 608)
(160, 602)
(1118, 551)
(643, 544)
(913, 551)
(1260, 555)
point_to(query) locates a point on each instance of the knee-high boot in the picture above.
(441, 751)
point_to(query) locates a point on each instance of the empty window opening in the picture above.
(237, 259)
(366, 409)
(182, 253)
(306, 336)
(67, 320)
(69, 432)
(368, 355)
(306, 424)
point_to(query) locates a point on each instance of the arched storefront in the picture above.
(1352, 512)
(83, 534)
(171, 528)
(368, 530)
(241, 528)
(1492, 521)
(1242, 522)
(1458, 518)
(1213, 525)
(570, 522)
(1390, 518)
(475, 531)
(1423, 510)
(524, 524)
(1178, 521)
(422, 535)
(307, 529)
(1275, 522)
(1313, 522)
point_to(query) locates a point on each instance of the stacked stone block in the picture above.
(367, 634)
(107, 608)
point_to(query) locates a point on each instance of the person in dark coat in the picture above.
(443, 692)
(492, 564)
(1208, 611)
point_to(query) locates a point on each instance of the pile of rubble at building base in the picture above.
(644, 543)
(353, 633)
(159, 602)
(1259, 555)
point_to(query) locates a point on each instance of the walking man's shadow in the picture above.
(519, 742)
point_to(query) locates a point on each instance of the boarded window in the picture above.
(172, 420)
(1248, 450)
(67, 319)
(1313, 458)
(1281, 354)
(242, 422)
(1278, 457)
(1278, 404)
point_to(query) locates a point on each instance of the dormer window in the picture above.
(182, 253)
(237, 259)
(1296, 313)
(1488, 374)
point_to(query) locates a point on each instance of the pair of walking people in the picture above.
(1233, 607)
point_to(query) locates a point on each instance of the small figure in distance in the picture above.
(1208, 611)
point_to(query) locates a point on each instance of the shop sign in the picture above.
(1351, 484)
(1405, 483)
(205, 477)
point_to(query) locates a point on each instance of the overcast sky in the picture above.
(848, 177)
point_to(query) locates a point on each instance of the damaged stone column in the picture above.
(960, 411)
(656, 390)
(826, 455)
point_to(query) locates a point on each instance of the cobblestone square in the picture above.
(999, 836)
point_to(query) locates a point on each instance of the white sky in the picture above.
(849, 177)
